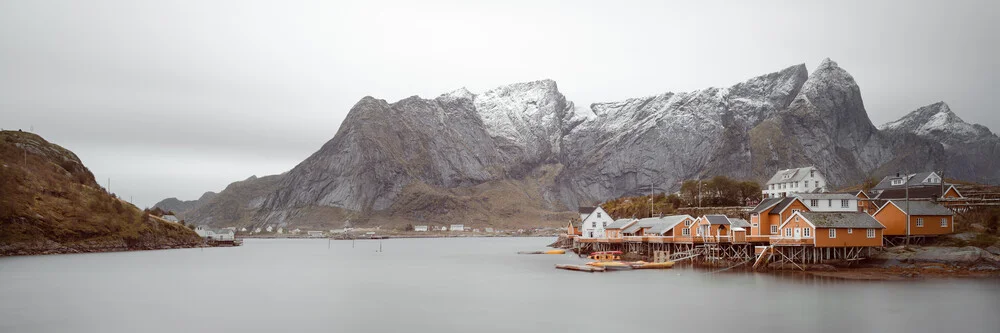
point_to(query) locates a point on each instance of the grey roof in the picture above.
(925, 192)
(842, 220)
(717, 219)
(225, 231)
(914, 179)
(632, 229)
(587, 210)
(738, 223)
(825, 196)
(663, 224)
(785, 202)
(620, 223)
(765, 204)
(923, 208)
(795, 174)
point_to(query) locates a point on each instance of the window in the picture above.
(944, 222)
(686, 232)
(805, 184)
(774, 230)
(813, 202)
(795, 211)
(850, 231)
(796, 184)
(687, 223)
(593, 224)
(920, 222)
(812, 173)
(788, 232)
(598, 214)
(833, 233)
(829, 202)
(897, 182)
(843, 203)
(806, 232)
(871, 233)
(755, 225)
(604, 224)
(796, 218)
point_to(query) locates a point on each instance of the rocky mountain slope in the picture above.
(390, 160)
(50, 203)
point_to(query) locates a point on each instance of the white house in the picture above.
(256, 231)
(281, 230)
(170, 218)
(457, 227)
(269, 229)
(220, 235)
(489, 229)
(594, 223)
(898, 180)
(315, 234)
(829, 202)
(420, 228)
(797, 180)
(243, 229)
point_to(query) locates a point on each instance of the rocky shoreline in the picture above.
(50, 247)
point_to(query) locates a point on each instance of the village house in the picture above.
(923, 192)
(926, 218)
(898, 181)
(865, 203)
(457, 227)
(314, 233)
(769, 214)
(616, 228)
(217, 235)
(421, 228)
(830, 229)
(592, 226)
(710, 228)
(797, 180)
(829, 202)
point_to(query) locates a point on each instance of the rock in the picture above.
(821, 268)
(993, 249)
(963, 255)
(965, 236)
(984, 268)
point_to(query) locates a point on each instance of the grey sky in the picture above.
(174, 98)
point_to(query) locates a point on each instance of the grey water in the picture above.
(452, 285)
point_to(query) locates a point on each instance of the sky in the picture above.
(175, 98)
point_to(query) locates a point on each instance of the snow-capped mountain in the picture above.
(525, 148)
(938, 122)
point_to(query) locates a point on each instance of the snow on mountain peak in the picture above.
(939, 122)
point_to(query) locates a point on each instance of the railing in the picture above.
(759, 238)
(791, 241)
(661, 239)
(634, 238)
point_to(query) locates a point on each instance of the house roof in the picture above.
(663, 224)
(925, 192)
(790, 175)
(587, 210)
(765, 205)
(717, 219)
(738, 223)
(913, 179)
(922, 208)
(632, 229)
(842, 220)
(620, 223)
(784, 203)
(825, 196)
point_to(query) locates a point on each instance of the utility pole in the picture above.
(906, 185)
(651, 197)
(699, 193)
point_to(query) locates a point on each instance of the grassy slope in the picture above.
(50, 202)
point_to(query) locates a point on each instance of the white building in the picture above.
(594, 223)
(269, 229)
(171, 218)
(929, 178)
(798, 180)
(457, 227)
(489, 229)
(281, 230)
(829, 202)
(420, 228)
(219, 235)
(313, 233)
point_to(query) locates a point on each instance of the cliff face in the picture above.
(50, 203)
(408, 159)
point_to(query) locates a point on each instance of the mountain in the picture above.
(177, 205)
(50, 203)
(521, 153)
(972, 150)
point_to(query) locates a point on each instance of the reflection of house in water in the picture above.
(215, 235)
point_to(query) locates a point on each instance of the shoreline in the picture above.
(98, 249)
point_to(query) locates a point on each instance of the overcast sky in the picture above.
(175, 98)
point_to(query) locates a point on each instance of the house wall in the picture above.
(800, 223)
(831, 205)
(893, 219)
(951, 193)
(678, 231)
(593, 225)
(777, 219)
(858, 237)
(790, 187)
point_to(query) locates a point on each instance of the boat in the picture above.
(543, 252)
(606, 256)
(610, 265)
(652, 265)
(580, 268)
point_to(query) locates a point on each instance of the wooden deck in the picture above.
(776, 241)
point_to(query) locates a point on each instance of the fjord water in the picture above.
(452, 285)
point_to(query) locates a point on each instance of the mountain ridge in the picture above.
(461, 140)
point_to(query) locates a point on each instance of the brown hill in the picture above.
(50, 203)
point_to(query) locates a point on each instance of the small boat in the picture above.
(652, 265)
(580, 268)
(610, 265)
(543, 252)
(606, 256)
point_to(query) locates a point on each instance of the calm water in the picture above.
(451, 285)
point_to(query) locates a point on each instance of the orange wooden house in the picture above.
(830, 229)
(926, 218)
(766, 218)
(614, 230)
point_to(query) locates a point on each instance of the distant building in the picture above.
(171, 218)
(457, 227)
(314, 233)
(594, 223)
(489, 229)
(218, 235)
(420, 228)
(798, 180)
(243, 229)
(475, 230)
(281, 230)
(899, 180)
(829, 202)
(270, 229)
(257, 231)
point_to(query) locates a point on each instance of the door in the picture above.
(798, 233)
